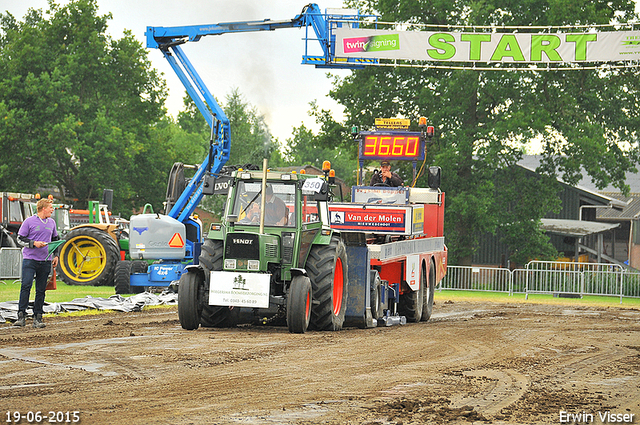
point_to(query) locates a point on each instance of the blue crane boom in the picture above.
(169, 40)
(175, 238)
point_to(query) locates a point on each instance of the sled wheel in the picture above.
(427, 307)
(189, 297)
(88, 257)
(377, 309)
(410, 303)
(299, 305)
(327, 270)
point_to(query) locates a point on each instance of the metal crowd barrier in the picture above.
(547, 277)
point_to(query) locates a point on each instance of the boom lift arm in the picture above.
(169, 41)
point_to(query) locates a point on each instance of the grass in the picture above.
(10, 291)
(501, 297)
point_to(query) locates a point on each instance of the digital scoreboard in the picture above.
(392, 145)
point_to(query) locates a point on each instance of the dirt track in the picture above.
(472, 363)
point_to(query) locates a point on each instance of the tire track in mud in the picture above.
(500, 388)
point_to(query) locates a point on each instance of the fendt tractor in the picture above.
(286, 252)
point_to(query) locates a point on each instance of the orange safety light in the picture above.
(332, 173)
(326, 166)
(303, 172)
(422, 122)
(176, 241)
(37, 196)
(50, 197)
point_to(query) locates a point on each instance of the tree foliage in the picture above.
(586, 119)
(78, 108)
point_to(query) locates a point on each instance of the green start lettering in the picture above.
(475, 41)
(546, 43)
(581, 44)
(442, 50)
(508, 47)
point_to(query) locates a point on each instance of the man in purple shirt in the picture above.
(34, 235)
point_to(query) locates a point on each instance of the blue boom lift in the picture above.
(175, 239)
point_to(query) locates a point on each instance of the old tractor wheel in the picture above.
(427, 306)
(211, 260)
(189, 300)
(299, 305)
(327, 270)
(89, 257)
(410, 303)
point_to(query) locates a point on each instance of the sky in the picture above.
(264, 66)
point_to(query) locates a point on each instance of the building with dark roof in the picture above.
(592, 225)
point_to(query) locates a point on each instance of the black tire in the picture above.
(410, 303)
(377, 309)
(327, 270)
(189, 300)
(89, 257)
(299, 305)
(138, 266)
(122, 277)
(427, 307)
(214, 316)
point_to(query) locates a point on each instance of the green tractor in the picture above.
(273, 259)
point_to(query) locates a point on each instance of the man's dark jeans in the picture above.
(30, 269)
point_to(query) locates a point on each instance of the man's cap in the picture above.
(384, 162)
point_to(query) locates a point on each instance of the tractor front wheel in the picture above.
(299, 305)
(88, 257)
(214, 316)
(189, 300)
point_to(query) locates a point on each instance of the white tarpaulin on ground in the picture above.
(9, 309)
(609, 46)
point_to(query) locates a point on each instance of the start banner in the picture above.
(610, 46)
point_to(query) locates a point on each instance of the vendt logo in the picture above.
(375, 43)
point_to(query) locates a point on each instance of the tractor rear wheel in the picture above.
(299, 305)
(214, 316)
(189, 300)
(327, 270)
(89, 257)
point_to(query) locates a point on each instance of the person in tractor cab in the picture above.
(34, 235)
(276, 211)
(385, 177)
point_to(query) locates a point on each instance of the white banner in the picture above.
(488, 47)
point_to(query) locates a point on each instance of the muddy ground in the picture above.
(520, 363)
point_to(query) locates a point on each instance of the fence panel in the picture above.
(546, 277)
(10, 263)
(477, 279)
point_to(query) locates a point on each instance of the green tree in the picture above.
(586, 119)
(79, 109)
